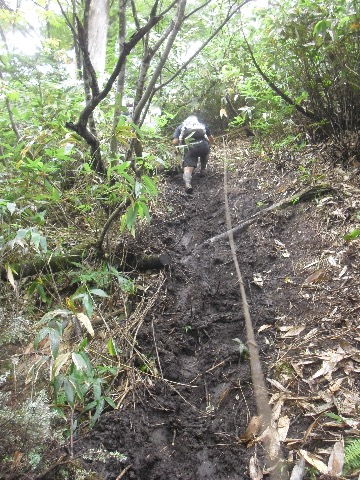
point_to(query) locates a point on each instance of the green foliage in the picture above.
(243, 349)
(76, 383)
(352, 456)
(352, 235)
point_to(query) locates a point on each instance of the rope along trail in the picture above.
(273, 455)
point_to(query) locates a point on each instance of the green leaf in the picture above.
(88, 305)
(83, 344)
(54, 342)
(44, 332)
(41, 292)
(11, 207)
(99, 292)
(57, 384)
(89, 406)
(53, 314)
(111, 347)
(99, 409)
(352, 235)
(111, 402)
(69, 392)
(97, 389)
(79, 361)
(150, 185)
(131, 217)
(144, 211)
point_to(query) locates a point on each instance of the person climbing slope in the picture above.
(195, 138)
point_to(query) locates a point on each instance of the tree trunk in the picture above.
(97, 34)
(121, 78)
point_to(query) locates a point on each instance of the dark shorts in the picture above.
(193, 151)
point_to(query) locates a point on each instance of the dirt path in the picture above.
(185, 424)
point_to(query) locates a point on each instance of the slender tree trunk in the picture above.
(78, 55)
(179, 18)
(89, 80)
(121, 78)
(98, 21)
(173, 31)
(7, 101)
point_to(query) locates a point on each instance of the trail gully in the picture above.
(187, 424)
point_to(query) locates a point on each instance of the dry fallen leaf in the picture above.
(330, 364)
(293, 331)
(283, 427)
(337, 458)
(343, 271)
(17, 459)
(317, 276)
(84, 319)
(223, 113)
(251, 430)
(277, 384)
(10, 277)
(315, 462)
(276, 411)
(255, 471)
(270, 437)
(264, 327)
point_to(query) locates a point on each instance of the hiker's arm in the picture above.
(211, 139)
(175, 141)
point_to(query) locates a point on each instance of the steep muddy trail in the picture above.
(187, 425)
(184, 420)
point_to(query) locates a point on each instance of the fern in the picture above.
(352, 455)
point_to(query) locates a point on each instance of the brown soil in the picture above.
(184, 421)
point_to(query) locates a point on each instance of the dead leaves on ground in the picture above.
(320, 383)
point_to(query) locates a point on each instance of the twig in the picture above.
(121, 475)
(156, 349)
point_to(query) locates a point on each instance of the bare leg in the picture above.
(203, 162)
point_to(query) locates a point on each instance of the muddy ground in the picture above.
(184, 421)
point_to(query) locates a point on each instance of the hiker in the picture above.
(195, 138)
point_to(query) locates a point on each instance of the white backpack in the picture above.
(192, 130)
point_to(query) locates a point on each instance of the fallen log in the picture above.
(63, 262)
(148, 262)
(302, 196)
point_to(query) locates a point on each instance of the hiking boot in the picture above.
(187, 180)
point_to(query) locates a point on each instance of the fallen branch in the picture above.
(61, 262)
(302, 196)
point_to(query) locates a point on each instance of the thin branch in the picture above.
(185, 64)
(197, 9)
(179, 18)
(277, 90)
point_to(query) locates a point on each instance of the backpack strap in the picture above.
(182, 133)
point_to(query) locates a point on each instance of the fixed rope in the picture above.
(273, 455)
